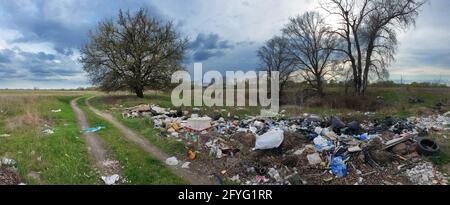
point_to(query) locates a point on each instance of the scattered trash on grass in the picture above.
(8, 162)
(48, 131)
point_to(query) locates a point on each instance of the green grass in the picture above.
(443, 158)
(143, 125)
(60, 158)
(138, 167)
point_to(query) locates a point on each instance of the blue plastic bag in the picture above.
(322, 144)
(92, 129)
(338, 167)
(361, 137)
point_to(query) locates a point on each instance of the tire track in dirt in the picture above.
(105, 165)
(140, 140)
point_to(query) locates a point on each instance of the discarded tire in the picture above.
(427, 147)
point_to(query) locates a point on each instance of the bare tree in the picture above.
(368, 29)
(274, 57)
(134, 52)
(311, 46)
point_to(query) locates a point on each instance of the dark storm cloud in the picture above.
(203, 55)
(206, 46)
(33, 66)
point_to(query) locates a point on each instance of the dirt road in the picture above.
(98, 153)
(134, 137)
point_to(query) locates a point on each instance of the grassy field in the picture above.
(59, 158)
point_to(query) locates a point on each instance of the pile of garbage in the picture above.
(148, 110)
(8, 172)
(301, 150)
(425, 174)
(434, 122)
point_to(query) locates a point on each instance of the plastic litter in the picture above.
(354, 126)
(5, 135)
(48, 131)
(185, 165)
(157, 110)
(273, 173)
(198, 123)
(8, 161)
(336, 123)
(322, 144)
(172, 161)
(56, 111)
(191, 154)
(111, 180)
(174, 134)
(269, 140)
(235, 178)
(362, 137)
(216, 152)
(92, 129)
(314, 159)
(259, 179)
(424, 174)
(319, 130)
(338, 167)
(354, 149)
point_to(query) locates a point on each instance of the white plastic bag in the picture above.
(269, 140)
(111, 180)
(172, 161)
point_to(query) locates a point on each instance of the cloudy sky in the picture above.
(40, 39)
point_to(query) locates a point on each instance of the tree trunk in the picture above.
(370, 49)
(139, 92)
(320, 86)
